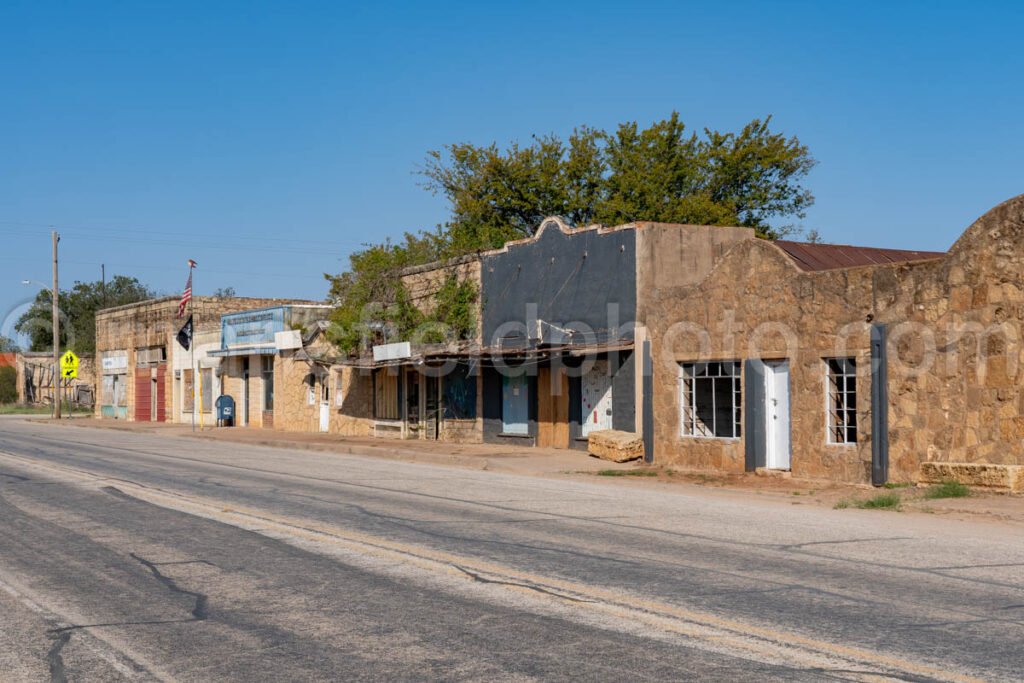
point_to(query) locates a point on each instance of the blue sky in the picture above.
(268, 140)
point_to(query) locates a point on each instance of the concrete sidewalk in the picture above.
(492, 457)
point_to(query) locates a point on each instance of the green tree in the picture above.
(78, 307)
(662, 173)
(499, 196)
(369, 298)
(8, 385)
(8, 345)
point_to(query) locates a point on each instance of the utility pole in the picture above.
(56, 332)
(103, 282)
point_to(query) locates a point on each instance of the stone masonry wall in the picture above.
(424, 282)
(154, 323)
(955, 355)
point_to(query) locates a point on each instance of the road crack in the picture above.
(54, 658)
(516, 584)
(198, 610)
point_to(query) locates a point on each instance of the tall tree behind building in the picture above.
(662, 173)
(78, 307)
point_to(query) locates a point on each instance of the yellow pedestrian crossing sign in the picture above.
(69, 365)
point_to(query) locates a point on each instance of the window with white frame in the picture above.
(710, 399)
(310, 382)
(842, 400)
(339, 396)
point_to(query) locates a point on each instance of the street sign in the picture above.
(69, 365)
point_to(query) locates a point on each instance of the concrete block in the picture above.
(977, 474)
(615, 445)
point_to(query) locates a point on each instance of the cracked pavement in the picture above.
(127, 556)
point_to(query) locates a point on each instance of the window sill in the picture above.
(515, 436)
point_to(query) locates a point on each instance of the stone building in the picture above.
(726, 352)
(35, 380)
(558, 349)
(279, 370)
(141, 364)
(843, 363)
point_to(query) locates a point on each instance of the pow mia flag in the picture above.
(185, 334)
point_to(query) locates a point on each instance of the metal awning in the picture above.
(244, 351)
(486, 354)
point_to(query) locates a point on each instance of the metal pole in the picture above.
(192, 350)
(54, 294)
(103, 282)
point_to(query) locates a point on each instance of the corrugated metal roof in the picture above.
(813, 257)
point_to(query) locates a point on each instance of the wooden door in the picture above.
(552, 408)
(160, 394)
(143, 395)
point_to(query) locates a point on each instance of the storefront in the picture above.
(114, 384)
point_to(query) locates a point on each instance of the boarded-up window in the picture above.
(113, 390)
(596, 399)
(385, 395)
(339, 396)
(187, 391)
(515, 405)
(459, 394)
(207, 376)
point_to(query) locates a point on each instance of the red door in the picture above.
(161, 393)
(143, 395)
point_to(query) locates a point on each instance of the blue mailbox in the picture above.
(225, 410)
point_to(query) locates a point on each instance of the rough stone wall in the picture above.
(423, 283)
(670, 255)
(292, 411)
(757, 304)
(355, 415)
(955, 352)
(967, 403)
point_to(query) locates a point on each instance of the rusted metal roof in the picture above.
(813, 257)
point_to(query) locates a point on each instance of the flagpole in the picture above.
(192, 344)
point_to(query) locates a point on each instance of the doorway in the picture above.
(325, 404)
(431, 407)
(777, 417)
(552, 408)
(412, 403)
(245, 392)
(153, 406)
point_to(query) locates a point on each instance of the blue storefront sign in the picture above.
(251, 328)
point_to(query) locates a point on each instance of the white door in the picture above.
(325, 415)
(596, 399)
(776, 393)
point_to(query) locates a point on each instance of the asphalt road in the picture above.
(126, 556)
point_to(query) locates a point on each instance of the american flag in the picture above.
(187, 295)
